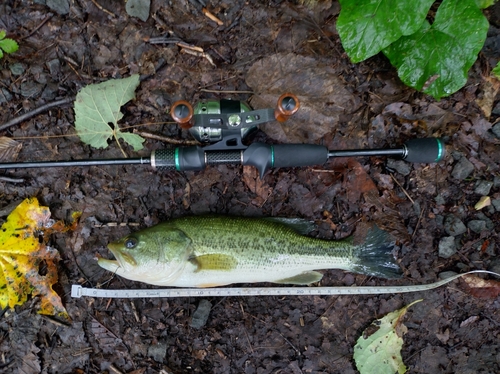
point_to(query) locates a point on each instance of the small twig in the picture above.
(103, 9)
(199, 54)
(418, 223)
(404, 191)
(38, 27)
(36, 111)
(226, 91)
(11, 180)
(165, 138)
(211, 16)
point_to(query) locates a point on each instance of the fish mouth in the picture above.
(122, 259)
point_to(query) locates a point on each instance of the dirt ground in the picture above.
(262, 49)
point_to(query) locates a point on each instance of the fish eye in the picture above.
(131, 242)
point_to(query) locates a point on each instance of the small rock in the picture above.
(483, 187)
(400, 166)
(496, 204)
(59, 6)
(453, 226)
(440, 200)
(483, 217)
(447, 247)
(463, 168)
(200, 315)
(158, 352)
(5, 96)
(476, 225)
(31, 89)
(496, 180)
(17, 69)
(138, 8)
(496, 130)
(54, 67)
(495, 266)
(447, 274)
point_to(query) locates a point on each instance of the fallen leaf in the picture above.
(484, 201)
(97, 112)
(481, 288)
(23, 257)
(255, 184)
(378, 350)
(490, 87)
(9, 149)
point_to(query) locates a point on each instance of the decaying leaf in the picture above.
(378, 350)
(490, 87)
(9, 149)
(484, 201)
(23, 257)
(97, 112)
(482, 288)
(256, 185)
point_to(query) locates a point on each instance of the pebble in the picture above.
(495, 266)
(200, 315)
(483, 187)
(5, 96)
(454, 226)
(17, 69)
(496, 181)
(59, 6)
(462, 169)
(158, 352)
(496, 130)
(447, 247)
(54, 67)
(447, 274)
(496, 204)
(400, 166)
(476, 225)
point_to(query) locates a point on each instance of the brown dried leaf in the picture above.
(255, 184)
(490, 86)
(9, 149)
(481, 288)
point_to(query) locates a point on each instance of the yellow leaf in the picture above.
(23, 251)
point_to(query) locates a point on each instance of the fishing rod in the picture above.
(222, 125)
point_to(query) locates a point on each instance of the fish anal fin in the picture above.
(304, 278)
(214, 261)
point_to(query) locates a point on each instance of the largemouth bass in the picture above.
(210, 251)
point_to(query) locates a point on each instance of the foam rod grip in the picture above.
(427, 150)
(296, 155)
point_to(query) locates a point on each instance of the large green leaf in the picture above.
(378, 350)
(367, 26)
(97, 112)
(437, 58)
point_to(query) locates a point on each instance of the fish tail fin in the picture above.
(374, 256)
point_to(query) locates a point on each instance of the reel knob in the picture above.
(288, 104)
(182, 113)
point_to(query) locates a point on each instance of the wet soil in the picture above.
(262, 49)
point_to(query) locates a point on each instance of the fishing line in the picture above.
(78, 291)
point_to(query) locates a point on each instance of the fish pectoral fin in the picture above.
(304, 278)
(214, 261)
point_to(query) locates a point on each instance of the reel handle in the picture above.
(287, 106)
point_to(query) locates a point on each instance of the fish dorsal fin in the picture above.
(299, 225)
(214, 261)
(304, 278)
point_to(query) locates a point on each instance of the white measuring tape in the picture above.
(79, 291)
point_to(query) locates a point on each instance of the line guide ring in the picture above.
(78, 291)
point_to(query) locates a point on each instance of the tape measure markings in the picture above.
(78, 291)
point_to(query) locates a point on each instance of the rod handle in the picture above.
(426, 150)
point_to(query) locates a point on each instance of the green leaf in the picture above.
(378, 350)
(367, 26)
(9, 45)
(496, 71)
(437, 58)
(483, 4)
(2, 34)
(98, 105)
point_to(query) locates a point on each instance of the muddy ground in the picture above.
(262, 49)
